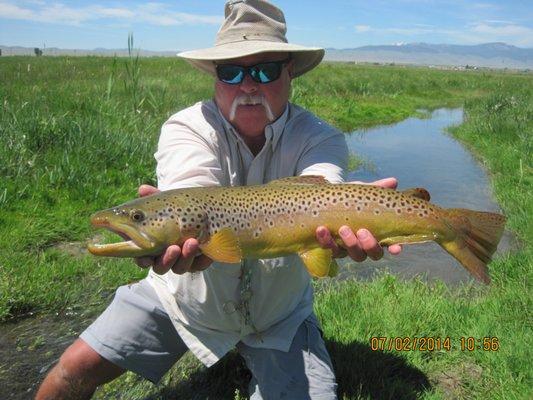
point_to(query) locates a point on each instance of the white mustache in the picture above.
(250, 100)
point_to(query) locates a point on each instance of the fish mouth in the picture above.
(135, 244)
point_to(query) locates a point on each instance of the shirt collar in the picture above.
(273, 131)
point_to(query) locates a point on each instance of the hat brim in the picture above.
(305, 58)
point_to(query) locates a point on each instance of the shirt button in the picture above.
(229, 307)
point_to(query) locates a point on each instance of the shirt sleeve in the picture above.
(185, 158)
(328, 157)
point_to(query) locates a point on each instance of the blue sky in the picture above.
(190, 24)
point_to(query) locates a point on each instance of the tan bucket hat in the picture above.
(253, 27)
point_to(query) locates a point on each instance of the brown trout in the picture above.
(280, 218)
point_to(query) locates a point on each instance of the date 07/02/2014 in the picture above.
(408, 343)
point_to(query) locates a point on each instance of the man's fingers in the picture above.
(352, 244)
(146, 190)
(200, 263)
(369, 244)
(144, 262)
(189, 250)
(389, 183)
(395, 249)
(323, 235)
(164, 262)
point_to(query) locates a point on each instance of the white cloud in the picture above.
(497, 21)
(485, 6)
(362, 28)
(417, 29)
(411, 31)
(114, 12)
(511, 33)
(479, 32)
(13, 11)
(58, 13)
(503, 30)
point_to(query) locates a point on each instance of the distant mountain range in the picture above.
(54, 51)
(489, 55)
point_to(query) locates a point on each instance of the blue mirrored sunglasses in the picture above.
(263, 72)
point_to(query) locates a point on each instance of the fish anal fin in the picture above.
(319, 262)
(420, 193)
(419, 238)
(301, 180)
(223, 246)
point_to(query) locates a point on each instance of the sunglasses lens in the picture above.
(266, 72)
(232, 74)
(262, 73)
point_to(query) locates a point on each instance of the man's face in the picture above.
(250, 119)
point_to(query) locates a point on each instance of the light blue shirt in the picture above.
(214, 309)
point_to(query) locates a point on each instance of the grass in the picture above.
(78, 134)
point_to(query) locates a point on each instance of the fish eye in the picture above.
(137, 215)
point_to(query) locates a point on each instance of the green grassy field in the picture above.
(78, 134)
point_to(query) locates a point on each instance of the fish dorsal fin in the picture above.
(223, 246)
(420, 193)
(301, 180)
(319, 262)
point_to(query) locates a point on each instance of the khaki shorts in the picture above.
(135, 333)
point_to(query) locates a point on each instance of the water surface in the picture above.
(419, 153)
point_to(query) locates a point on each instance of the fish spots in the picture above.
(256, 211)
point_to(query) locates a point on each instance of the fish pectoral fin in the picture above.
(419, 193)
(319, 262)
(223, 246)
(420, 238)
(301, 180)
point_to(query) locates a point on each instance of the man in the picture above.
(249, 134)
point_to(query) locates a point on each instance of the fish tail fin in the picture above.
(476, 237)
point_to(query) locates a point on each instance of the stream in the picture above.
(419, 153)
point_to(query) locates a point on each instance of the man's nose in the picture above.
(248, 85)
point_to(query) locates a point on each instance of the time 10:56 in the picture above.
(485, 343)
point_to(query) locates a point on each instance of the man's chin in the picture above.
(247, 123)
(254, 114)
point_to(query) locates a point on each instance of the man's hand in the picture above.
(361, 244)
(179, 259)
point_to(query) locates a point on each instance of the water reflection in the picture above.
(420, 154)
